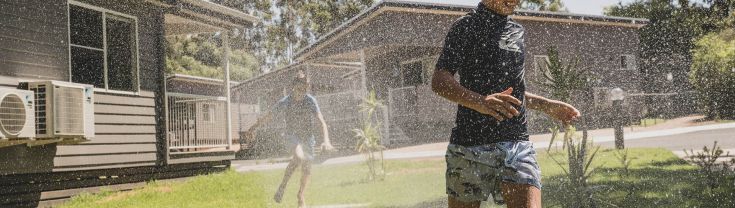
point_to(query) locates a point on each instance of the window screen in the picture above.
(103, 49)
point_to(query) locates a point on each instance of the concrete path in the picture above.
(677, 139)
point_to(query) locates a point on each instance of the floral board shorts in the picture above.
(475, 173)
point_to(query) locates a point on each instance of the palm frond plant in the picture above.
(369, 138)
(578, 169)
(370, 105)
(560, 80)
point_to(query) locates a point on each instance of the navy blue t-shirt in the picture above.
(487, 51)
(300, 116)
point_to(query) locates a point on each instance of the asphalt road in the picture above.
(695, 140)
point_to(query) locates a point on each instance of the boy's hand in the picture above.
(499, 106)
(562, 111)
(327, 147)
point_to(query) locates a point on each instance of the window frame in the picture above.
(105, 12)
(425, 73)
(537, 72)
(629, 62)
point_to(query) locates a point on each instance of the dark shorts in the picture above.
(475, 173)
(307, 145)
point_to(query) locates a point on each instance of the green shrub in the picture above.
(713, 73)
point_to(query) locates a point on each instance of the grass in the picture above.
(657, 179)
(229, 189)
(724, 121)
(651, 121)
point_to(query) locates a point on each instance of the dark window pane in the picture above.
(412, 74)
(87, 66)
(85, 27)
(121, 55)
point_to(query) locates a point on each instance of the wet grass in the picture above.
(229, 189)
(724, 121)
(657, 178)
(651, 122)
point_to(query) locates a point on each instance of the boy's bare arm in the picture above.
(558, 110)
(536, 102)
(497, 105)
(326, 143)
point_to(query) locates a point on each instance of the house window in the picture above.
(627, 62)
(541, 65)
(602, 97)
(103, 48)
(411, 74)
(418, 72)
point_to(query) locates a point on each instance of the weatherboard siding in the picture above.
(34, 46)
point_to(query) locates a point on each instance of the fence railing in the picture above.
(196, 122)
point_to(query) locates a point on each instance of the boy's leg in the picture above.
(456, 203)
(521, 195)
(295, 162)
(305, 175)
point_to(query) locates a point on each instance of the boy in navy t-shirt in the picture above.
(489, 152)
(303, 119)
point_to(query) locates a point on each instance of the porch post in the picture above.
(228, 95)
(307, 71)
(363, 72)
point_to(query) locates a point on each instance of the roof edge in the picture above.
(198, 79)
(457, 8)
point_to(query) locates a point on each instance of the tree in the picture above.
(713, 73)
(287, 27)
(543, 5)
(667, 41)
(291, 25)
(200, 55)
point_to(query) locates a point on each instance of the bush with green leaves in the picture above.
(714, 172)
(713, 73)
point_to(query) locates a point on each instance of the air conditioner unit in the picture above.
(64, 111)
(17, 123)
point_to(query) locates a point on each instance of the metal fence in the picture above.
(196, 122)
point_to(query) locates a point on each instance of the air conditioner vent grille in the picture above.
(41, 108)
(13, 111)
(69, 114)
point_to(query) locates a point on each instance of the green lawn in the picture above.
(657, 179)
(229, 189)
(724, 121)
(651, 121)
